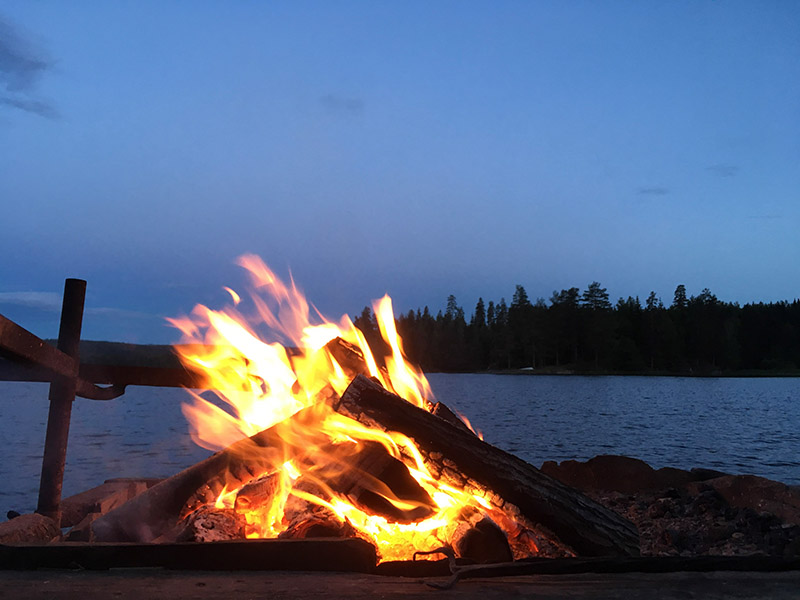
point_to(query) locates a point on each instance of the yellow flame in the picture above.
(259, 385)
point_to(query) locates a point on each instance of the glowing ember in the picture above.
(262, 384)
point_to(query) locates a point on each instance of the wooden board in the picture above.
(152, 583)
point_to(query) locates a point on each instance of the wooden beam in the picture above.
(20, 344)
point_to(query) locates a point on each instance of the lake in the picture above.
(736, 425)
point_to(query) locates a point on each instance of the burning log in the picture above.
(374, 479)
(568, 516)
(210, 524)
(154, 513)
(258, 493)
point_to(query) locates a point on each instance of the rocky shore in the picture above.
(691, 513)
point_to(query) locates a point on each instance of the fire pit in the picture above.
(341, 443)
(329, 458)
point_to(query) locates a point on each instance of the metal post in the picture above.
(62, 394)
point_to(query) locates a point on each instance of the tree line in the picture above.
(583, 331)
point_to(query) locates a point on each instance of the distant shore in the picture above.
(590, 373)
(163, 355)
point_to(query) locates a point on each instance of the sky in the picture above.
(419, 149)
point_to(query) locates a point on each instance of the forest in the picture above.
(583, 332)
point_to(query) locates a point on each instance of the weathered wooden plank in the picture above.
(20, 344)
(571, 566)
(107, 374)
(135, 584)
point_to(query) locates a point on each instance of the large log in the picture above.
(563, 513)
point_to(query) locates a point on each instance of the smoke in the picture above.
(21, 68)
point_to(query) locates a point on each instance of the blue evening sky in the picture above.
(416, 148)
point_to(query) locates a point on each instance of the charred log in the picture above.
(568, 516)
(257, 494)
(380, 483)
(210, 524)
(319, 527)
(484, 542)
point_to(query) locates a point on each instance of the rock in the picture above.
(605, 472)
(758, 494)
(701, 474)
(29, 528)
(697, 512)
(707, 501)
(617, 473)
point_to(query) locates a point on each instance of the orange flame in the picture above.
(258, 385)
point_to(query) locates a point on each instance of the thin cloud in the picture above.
(37, 107)
(51, 302)
(342, 105)
(42, 300)
(653, 191)
(723, 170)
(21, 68)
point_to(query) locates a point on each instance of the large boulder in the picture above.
(621, 474)
(758, 494)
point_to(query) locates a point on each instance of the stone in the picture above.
(758, 494)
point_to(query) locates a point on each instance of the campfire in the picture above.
(319, 435)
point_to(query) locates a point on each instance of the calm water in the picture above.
(734, 425)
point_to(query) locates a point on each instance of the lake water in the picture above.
(734, 425)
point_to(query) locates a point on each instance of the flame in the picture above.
(255, 385)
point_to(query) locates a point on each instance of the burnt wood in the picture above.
(153, 514)
(372, 475)
(571, 518)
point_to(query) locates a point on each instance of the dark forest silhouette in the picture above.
(583, 332)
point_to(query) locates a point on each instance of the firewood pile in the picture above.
(608, 506)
